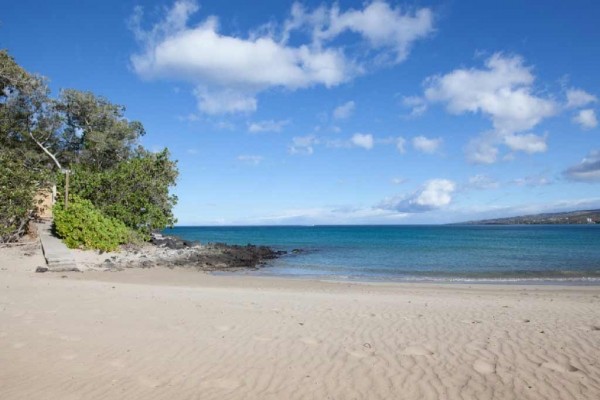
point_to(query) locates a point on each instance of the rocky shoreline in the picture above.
(171, 252)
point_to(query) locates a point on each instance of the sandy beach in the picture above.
(180, 334)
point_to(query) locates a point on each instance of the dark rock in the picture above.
(41, 269)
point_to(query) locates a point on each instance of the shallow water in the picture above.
(430, 253)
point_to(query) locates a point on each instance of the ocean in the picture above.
(453, 253)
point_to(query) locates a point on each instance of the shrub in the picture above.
(135, 191)
(18, 183)
(81, 225)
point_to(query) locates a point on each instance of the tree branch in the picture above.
(46, 151)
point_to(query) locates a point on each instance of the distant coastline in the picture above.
(580, 217)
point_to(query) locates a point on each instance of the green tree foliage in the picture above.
(18, 184)
(96, 133)
(83, 226)
(135, 191)
(28, 117)
(88, 134)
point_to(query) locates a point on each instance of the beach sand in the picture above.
(179, 334)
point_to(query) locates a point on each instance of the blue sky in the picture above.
(341, 113)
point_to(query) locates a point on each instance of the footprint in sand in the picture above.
(69, 357)
(484, 367)
(18, 345)
(416, 351)
(559, 367)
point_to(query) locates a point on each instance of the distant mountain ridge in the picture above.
(570, 217)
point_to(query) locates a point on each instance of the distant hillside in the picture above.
(571, 217)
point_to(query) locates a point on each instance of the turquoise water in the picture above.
(436, 253)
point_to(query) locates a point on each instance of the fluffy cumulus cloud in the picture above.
(382, 26)
(503, 91)
(426, 145)
(364, 140)
(579, 98)
(586, 119)
(344, 111)
(228, 71)
(588, 170)
(434, 194)
(267, 126)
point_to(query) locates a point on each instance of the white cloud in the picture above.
(383, 26)
(482, 149)
(250, 159)
(303, 145)
(434, 194)
(400, 144)
(398, 181)
(426, 145)
(528, 143)
(482, 182)
(588, 170)
(344, 111)
(362, 140)
(533, 181)
(578, 98)
(224, 101)
(503, 91)
(229, 71)
(586, 119)
(417, 104)
(267, 126)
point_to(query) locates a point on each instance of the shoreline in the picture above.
(179, 333)
(143, 333)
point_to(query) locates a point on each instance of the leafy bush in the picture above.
(18, 183)
(135, 191)
(82, 225)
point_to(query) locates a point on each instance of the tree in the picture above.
(96, 133)
(86, 133)
(27, 125)
(28, 117)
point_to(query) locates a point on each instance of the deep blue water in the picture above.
(447, 253)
